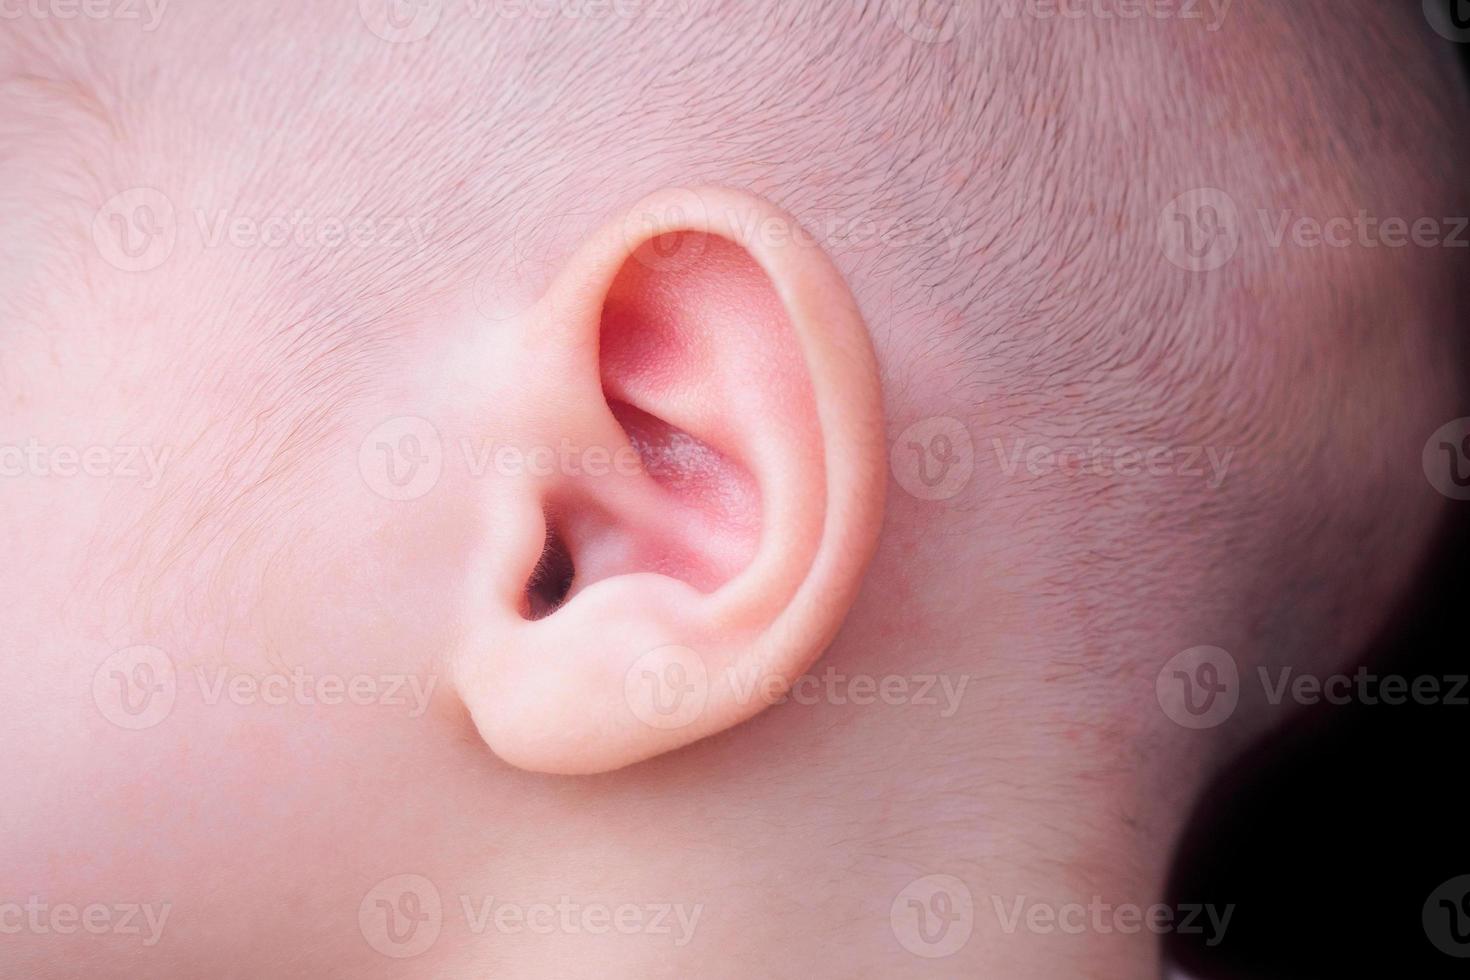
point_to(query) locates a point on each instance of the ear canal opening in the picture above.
(551, 580)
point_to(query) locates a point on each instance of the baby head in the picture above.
(740, 480)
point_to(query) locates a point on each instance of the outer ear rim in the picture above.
(796, 605)
(843, 369)
(847, 392)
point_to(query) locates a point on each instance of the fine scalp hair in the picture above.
(993, 200)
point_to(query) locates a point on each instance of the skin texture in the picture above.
(751, 248)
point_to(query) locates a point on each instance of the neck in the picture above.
(864, 840)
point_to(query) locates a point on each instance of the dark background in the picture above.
(1330, 836)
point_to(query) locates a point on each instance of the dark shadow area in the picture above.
(1337, 839)
(1330, 836)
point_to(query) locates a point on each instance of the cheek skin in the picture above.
(256, 820)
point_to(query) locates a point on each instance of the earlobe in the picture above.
(711, 356)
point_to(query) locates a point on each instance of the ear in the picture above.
(701, 374)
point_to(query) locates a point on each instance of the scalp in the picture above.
(994, 201)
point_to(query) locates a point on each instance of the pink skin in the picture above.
(361, 687)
